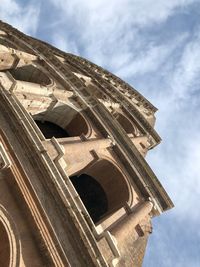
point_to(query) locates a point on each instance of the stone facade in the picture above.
(75, 189)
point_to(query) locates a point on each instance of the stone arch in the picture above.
(92, 194)
(125, 123)
(30, 73)
(9, 241)
(113, 188)
(4, 246)
(62, 121)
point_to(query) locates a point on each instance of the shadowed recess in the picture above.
(50, 129)
(92, 195)
(61, 121)
(102, 188)
(4, 247)
(125, 123)
(29, 73)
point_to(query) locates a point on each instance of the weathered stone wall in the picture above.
(64, 119)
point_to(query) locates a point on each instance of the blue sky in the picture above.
(155, 46)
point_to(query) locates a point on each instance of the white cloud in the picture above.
(118, 34)
(176, 160)
(138, 12)
(23, 17)
(111, 33)
(108, 31)
(187, 70)
(150, 59)
(176, 163)
(63, 44)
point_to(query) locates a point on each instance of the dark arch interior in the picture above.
(50, 129)
(92, 195)
(30, 73)
(125, 123)
(4, 247)
(76, 125)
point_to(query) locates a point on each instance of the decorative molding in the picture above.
(67, 78)
(13, 236)
(5, 161)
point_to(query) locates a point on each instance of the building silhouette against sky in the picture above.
(75, 189)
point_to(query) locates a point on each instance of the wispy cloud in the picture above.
(188, 69)
(178, 102)
(150, 59)
(22, 16)
(150, 45)
(106, 29)
(63, 44)
(169, 248)
(176, 160)
(137, 40)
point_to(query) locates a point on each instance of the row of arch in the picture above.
(74, 124)
(102, 187)
(30, 73)
(33, 74)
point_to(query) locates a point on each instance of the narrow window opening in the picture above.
(139, 230)
(142, 145)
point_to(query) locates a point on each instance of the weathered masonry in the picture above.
(75, 189)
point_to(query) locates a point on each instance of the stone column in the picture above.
(126, 227)
(32, 88)
(77, 153)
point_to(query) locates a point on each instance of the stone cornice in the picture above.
(98, 76)
(62, 206)
(113, 79)
(115, 94)
(109, 77)
(123, 143)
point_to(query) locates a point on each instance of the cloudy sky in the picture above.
(155, 46)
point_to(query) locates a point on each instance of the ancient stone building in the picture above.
(75, 189)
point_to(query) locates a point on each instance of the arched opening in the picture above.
(50, 129)
(29, 73)
(4, 247)
(77, 126)
(92, 195)
(102, 188)
(125, 123)
(62, 121)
